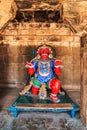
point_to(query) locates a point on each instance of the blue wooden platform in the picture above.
(31, 103)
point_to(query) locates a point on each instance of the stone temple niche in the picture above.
(59, 23)
(41, 22)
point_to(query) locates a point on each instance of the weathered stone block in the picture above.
(24, 32)
(14, 50)
(9, 38)
(67, 39)
(5, 50)
(13, 59)
(63, 51)
(54, 38)
(76, 39)
(17, 38)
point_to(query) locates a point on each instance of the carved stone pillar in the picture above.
(83, 109)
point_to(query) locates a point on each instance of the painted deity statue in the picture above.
(44, 68)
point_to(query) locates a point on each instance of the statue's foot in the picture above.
(54, 98)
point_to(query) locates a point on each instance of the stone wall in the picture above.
(28, 30)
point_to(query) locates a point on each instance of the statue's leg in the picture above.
(36, 86)
(55, 88)
(35, 90)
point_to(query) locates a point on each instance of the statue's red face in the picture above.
(44, 52)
